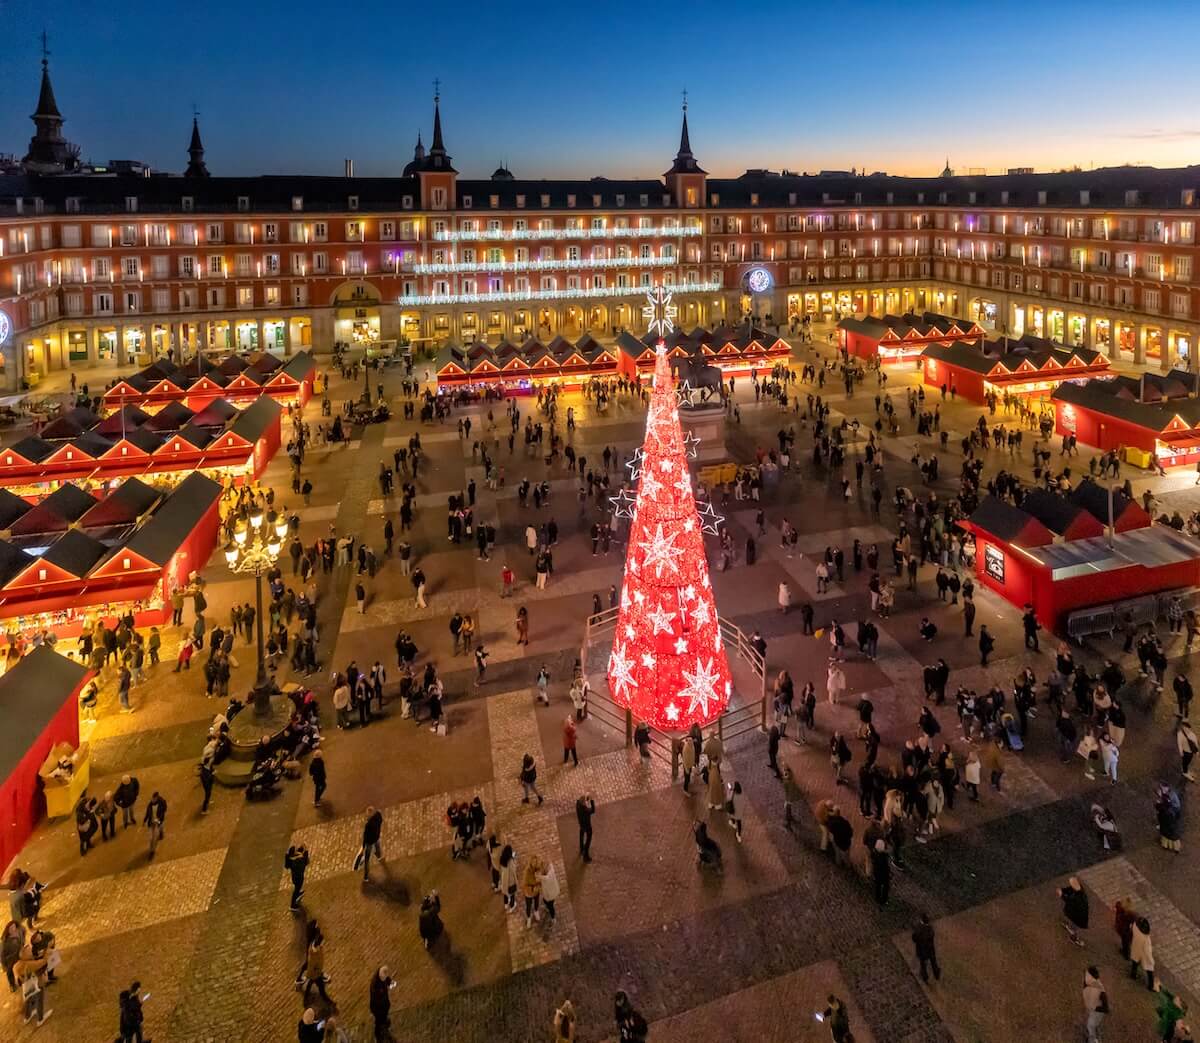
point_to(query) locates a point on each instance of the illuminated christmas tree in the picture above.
(668, 661)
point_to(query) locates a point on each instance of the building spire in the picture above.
(438, 147)
(49, 152)
(685, 145)
(436, 158)
(685, 162)
(196, 167)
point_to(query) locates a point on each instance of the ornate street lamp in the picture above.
(257, 541)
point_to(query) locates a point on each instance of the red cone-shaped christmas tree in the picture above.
(668, 661)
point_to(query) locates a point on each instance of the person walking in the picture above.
(926, 947)
(550, 890)
(153, 820)
(125, 798)
(528, 779)
(986, 645)
(688, 757)
(131, 1014)
(316, 772)
(1141, 952)
(585, 808)
(296, 863)
(1074, 908)
(1095, 1004)
(207, 775)
(380, 997)
(372, 830)
(314, 968)
(569, 736)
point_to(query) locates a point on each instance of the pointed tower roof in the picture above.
(414, 164)
(49, 152)
(196, 167)
(946, 171)
(437, 158)
(47, 106)
(685, 162)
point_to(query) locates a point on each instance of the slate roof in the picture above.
(158, 538)
(12, 507)
(67, 504)
(32, 694)
(1009, 523)
(76, 552)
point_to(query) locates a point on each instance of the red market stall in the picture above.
(199, 381)
(520, 369)
(220, 440)
(126, 552)
(39, 703)
(1021, 560)
(1156, 416)
(900, 338)
(732, 350)
(1029, 366)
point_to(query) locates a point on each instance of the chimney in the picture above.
(349, 168)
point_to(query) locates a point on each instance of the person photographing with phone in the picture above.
(837, 1019)
(131, 1000)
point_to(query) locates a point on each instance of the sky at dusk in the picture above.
(575, 90)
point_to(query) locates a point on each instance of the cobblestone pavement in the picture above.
(749, 955)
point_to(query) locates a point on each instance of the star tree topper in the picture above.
(659, 311)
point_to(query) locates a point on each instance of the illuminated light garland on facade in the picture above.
(711, 286)
(668, 662)
(581, 264)
(517, 235)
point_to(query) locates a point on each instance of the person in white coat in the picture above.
(1141, 952)
(785, 598)
(835, 682)
(550, 890)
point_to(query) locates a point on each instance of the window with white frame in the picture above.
(245, 296)
(102, 303)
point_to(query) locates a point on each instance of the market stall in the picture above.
(39, 705)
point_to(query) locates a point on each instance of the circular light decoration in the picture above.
(5, 327)
(758, 280)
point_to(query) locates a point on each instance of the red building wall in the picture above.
(1100, 430)
(967, 383)
(22, 803)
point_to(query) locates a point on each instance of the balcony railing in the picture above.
(515, 235)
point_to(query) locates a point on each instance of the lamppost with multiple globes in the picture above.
(257, 541)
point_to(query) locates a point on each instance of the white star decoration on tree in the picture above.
(685, 394)
(659, 551)
(623, 503)
(701, 614)
(620, 671)
(672, 712)
(634, 463)
(691, 443)
(701, 687)
(684, 483)
(710, 520)
(661, 619)
(650, 485)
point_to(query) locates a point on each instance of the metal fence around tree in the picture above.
(738, 720)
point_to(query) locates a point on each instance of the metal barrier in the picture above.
(742, 719)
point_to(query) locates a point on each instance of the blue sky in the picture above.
(578, 90)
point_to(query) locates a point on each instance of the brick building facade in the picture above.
(104, 271)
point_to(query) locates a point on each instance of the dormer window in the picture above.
(243, 204)
(297, 203)
(352, 203)
(545, 200)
